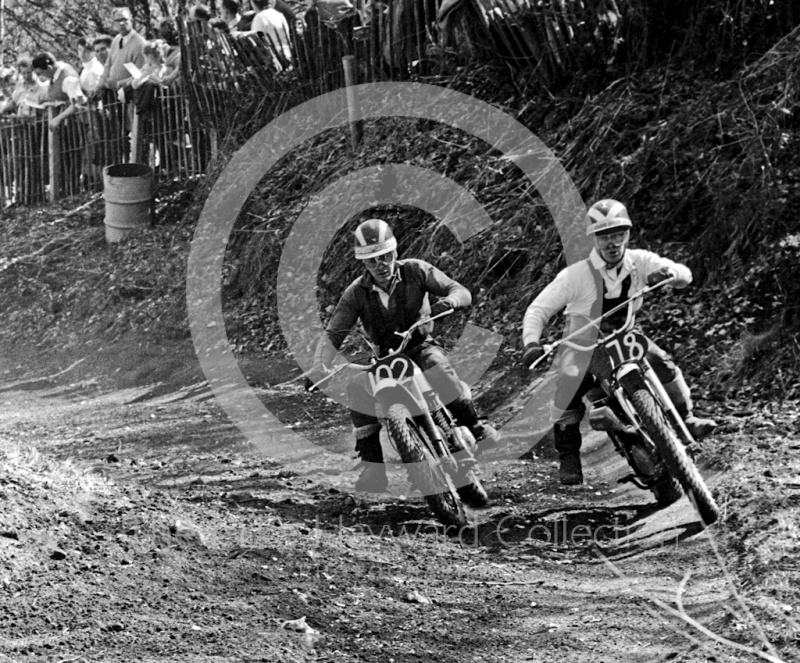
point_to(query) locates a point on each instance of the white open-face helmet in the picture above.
(373, 238)
(607, 215)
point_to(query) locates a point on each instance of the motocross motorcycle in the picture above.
(439, 454)
(633, 408)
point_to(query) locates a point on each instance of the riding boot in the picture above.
(567, 441)
(679, 394)
(373, 477)
(485, 435)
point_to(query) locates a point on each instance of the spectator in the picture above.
(219, 24)
(230, 11)
(99, 123)
(91, 69)
(199, 12)
(154, 66)
(273, 25)
(171, 50)
(288, 13)
(64, 88)
(21, 171)
(100, 47)
(8, 80)
(64, 85)
(245, 21)
(28, 93)
(125, 48)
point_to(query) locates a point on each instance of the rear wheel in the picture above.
(674, 454)
(424, 471)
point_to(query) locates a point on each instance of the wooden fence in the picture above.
(395, 40)
(234, 85)
(543, 42)
(234, 80)
(39, 163)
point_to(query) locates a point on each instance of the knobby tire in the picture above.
(674, 454)
(472, 492)
(423, 472)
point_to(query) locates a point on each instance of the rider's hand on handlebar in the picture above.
(531, 353)
(659, 275)
(440, 307)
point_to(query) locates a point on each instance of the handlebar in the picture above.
(551, 347)
(406, 338)
(407, 334)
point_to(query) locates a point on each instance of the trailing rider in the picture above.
(610, 274)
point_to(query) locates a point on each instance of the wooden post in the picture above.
(54, 155)
(134, 158)
(212, 136)
(353, 106)
(6, 164)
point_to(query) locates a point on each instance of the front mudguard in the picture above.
(398, 394)
(630, 378)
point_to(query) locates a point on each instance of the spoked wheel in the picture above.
(663, 485)
(680, 465)
(424, 470)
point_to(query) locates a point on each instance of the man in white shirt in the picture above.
(270, 22)
(91, 69)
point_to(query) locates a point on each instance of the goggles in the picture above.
(612, 238)
(383, 258)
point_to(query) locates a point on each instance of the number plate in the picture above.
(630, 346)
(392, 369)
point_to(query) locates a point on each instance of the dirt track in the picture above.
(202, 550)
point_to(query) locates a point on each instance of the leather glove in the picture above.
(531, 353)
(659, 275)
(441, 306)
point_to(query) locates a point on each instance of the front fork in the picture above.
(419, 404)
(667, 405)
(630, 378)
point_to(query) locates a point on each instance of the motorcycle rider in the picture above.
(610, 274)
(391, 296)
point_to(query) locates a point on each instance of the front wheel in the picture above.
(472, 492)
(424, 470)
(681, 467)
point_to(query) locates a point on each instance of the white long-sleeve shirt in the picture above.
(575, 289)
(272, 23)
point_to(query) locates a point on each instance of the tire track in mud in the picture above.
(266, 542)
